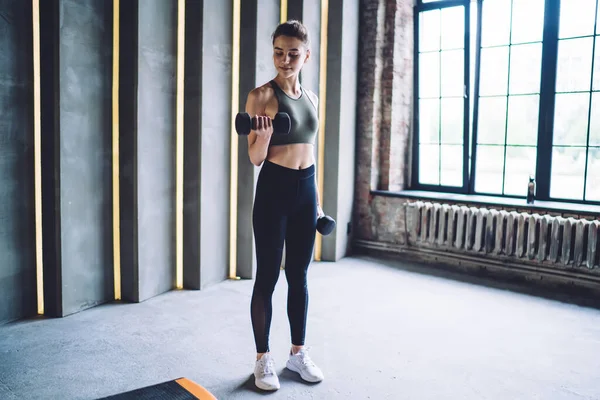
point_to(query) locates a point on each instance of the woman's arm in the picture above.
(258, 140)
(315, 101)
(320, 212)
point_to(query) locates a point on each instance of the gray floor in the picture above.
(377, 331)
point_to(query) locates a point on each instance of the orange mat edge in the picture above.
(195, 389)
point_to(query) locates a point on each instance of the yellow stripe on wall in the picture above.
(37, 157)
(235, 100)
(283, 11)
(179, 144)
(115, 151)
(322, 110)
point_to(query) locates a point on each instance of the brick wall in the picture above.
(384, 100)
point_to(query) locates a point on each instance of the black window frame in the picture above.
(422, 7)
(547, 100)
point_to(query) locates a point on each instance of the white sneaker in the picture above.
(265, 377)
(302, 364)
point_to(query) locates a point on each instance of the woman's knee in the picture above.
(265, 284)
(297, 280)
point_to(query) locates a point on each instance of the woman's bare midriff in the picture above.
(294, 156)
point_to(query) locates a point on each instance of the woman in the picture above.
(286, 205)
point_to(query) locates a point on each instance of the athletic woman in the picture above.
(286, 205)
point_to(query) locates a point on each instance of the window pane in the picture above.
(592, 191)
(568, 164)
(429, 164)
(525, 68)
(495, 22)
(452, 165)
(452, 121)
(492, 117)
(574, 65)
(429, 75)
(488, 174)
(453, 73)
(520, 164)
(523, 120)
(453, 28)
(527, 21)
(597, 64)
(429, 30)
(576, 18)
(595, 122)
(570, 119)
(429, 121)
(494, 71)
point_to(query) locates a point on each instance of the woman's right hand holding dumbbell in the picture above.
(263, 126)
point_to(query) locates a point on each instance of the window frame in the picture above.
(546, 110)
(423, 7)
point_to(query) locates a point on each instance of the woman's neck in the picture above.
(289, 85)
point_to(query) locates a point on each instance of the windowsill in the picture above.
(554, 206)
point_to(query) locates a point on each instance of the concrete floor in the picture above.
(378, 329)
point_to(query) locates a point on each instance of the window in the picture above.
(576, 140)
(442, 56)
(505, 90)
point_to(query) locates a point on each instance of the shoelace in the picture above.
(267, 367)
(305, 359)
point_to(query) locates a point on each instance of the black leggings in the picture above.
(285, 209)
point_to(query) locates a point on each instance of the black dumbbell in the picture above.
(244, 123)
(325, 225)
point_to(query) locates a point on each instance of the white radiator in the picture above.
(544, 239)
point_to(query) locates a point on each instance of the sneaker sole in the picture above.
(265, 387)
(291, 367)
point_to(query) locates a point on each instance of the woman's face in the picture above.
(289, 55)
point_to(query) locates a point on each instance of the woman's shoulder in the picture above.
(312, 96)
(262, 93)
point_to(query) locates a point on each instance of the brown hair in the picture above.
(292, 28)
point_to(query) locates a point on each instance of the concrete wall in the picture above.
(157, 49)
(340, 128)
(149, 153)
(77, 154)
(207, 142)
(77, 182)
(17, 214)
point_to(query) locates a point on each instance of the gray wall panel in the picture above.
(86, 153)
(157, 57)
(341, 122)
(194, 11)
(267, 20)
(312, 20)
(128, 150)
(76, 154)
(17, 212)
(347, 132)
(259, 20)
(246, 260)
(216, 142)
(207, 142)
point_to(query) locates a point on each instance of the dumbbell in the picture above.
(244, 123)
(325, 225)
